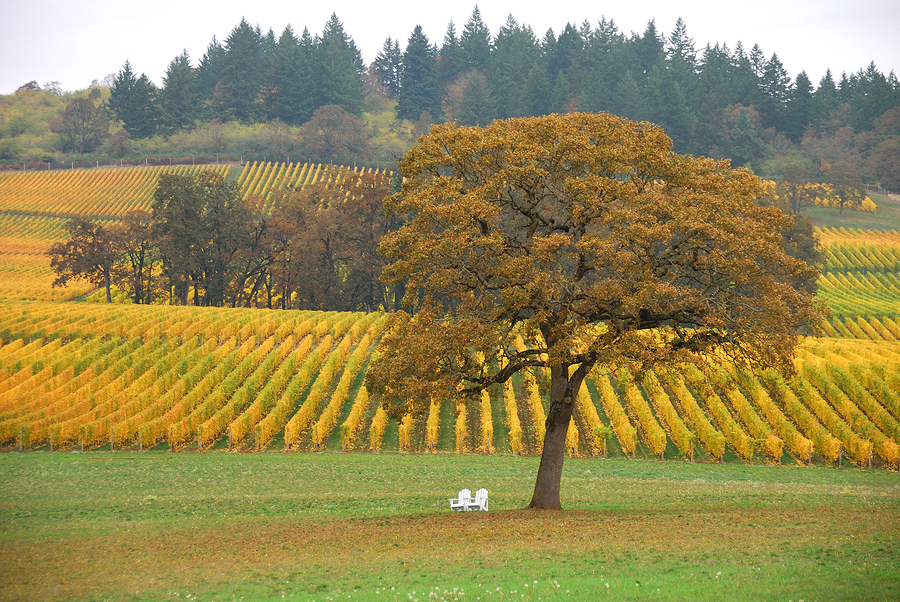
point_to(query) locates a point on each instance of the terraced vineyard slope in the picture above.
(34, 207)
(96, 376)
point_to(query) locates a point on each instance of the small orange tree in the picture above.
(586, 235)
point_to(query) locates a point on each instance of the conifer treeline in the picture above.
(259, 89)
(711, 100)
(251, 77)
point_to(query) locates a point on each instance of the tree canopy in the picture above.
(82, 124)
(87, 254)
(586, 236)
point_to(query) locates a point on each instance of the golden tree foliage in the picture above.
(588, 236)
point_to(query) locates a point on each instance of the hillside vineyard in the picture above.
(86, 375)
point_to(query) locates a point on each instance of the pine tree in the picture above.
(744, 85)
(824, 100)
(515, 52)
(631, 102)
(120, 93)
(242, 76)
(133, 101)
(564, 52)
(450, 62)
(872, 95)
(798, 112)
(650, 48)
(600, 66)
(419, 90)
(387, 66)
(845, 88)
(475, 42)
(477, 106)
(776, 89)
(291, 95)
(758, 61)
(209, 74)
(744, 143)
(548, 49)
(537, 86)
(178, 96)
(682, 60)
(713, 78)
(562, 95)
(668, 107)
(338, 67)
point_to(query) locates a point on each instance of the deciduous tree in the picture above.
(587, 236)
(136, 254)
(335, 135)
(796, 192)
(82, 124)
(847, 189)
(324, 242)
(88, 253)
(198, 223)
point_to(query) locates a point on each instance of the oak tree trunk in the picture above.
(549, 477)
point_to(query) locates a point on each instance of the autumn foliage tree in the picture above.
(324, 244)
(795, 191)
(587, 236)
(135, 251)
(847, 189)
(335, 135)
(88, 253)
(198, 225)
(316, 247)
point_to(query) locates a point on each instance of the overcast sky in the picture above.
(76, 42)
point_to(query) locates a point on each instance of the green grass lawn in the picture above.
(219, 526)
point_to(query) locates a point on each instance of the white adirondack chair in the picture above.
(480, 502)
(462, 502)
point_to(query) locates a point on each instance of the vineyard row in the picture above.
(112, 377)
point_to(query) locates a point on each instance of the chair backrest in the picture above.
(465, 495)
(481, 495)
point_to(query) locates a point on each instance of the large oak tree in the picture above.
(586, 235)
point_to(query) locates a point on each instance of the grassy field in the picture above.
(887, 218)
(216, 526)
